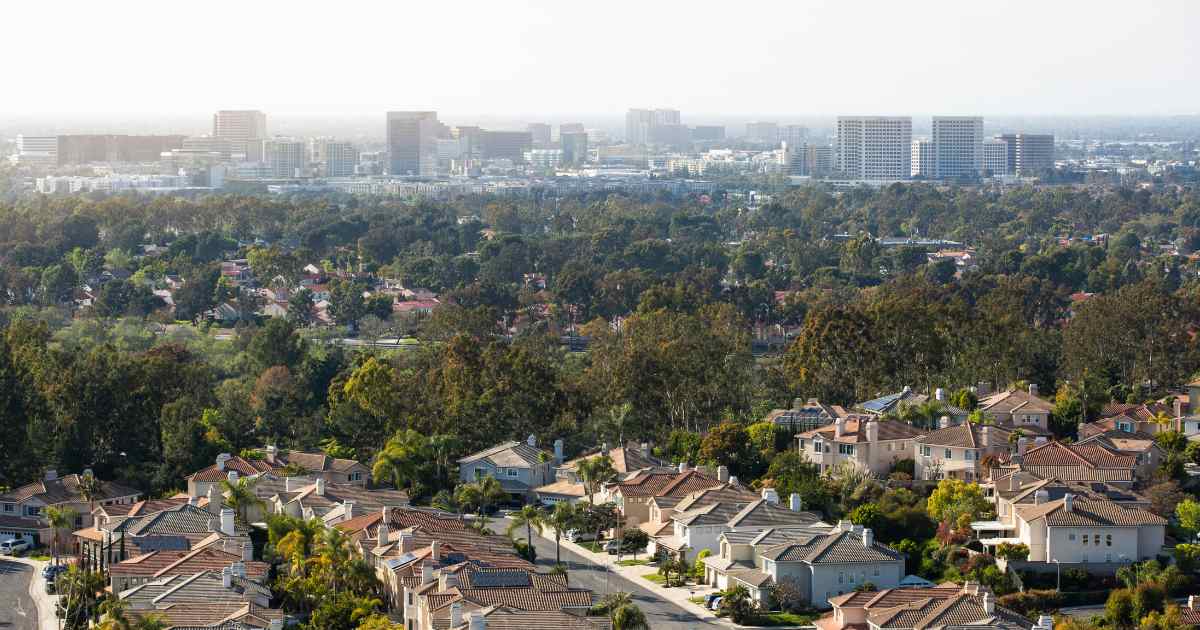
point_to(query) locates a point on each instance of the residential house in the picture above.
(333, 503)
(946, 607)
(21, 505)
(1150, 418)
(697, 521)
(157, 564)
(956, 452)
(203, 480)
(892, 404)
(805, 415)
(1082, 530)
(518, 466)
(1147, 454)
(1019, 409)
(205, 587)
(443, 599)
(862, 441)
(646, 497)
(626, 460)
(1076, 462)
(274, 461)
(214, 615)
(822, 564)
(505, 618)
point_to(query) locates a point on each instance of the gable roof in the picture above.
(841, 546)
(505, 618)
(854, 430)
(655, 484)
(1078, 462)
(313, 462)
(66, 490)
(510, 454)
(965, 435)
(242, 466)
(1015, 400)
(625, 459)
(1086, 512)
(223, 615)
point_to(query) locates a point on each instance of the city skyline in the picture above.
(1074, 59)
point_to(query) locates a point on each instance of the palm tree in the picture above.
(60, 519)
(80, 598)
(1162, 420)
(90, 489)
(595, 472)
(113, 611)
(629, 617)
(444, 500)
(401, 458)
(613, 601)
(530, 517)
(562, 518)
(240, 495)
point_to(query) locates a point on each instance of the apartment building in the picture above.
(874, 148)
(958, 146)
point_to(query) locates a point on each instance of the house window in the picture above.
(802, 444)
(851, 576)
(841, 577)
(1071, 537)
(356, 476)
(875, 573)
(845, 449)
(511, 472)
(1108, 540)
(1096, 539)
(32, 510)
(889, 446)
(1083, 540)
(8, 507)
(925, 451)
(949, 455)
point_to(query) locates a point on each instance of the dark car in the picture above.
(52, 570)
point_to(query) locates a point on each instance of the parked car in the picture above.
(51, 586)
(716, 603)
(52, 570)
(13, 546)
(612, 547)
(575, 535)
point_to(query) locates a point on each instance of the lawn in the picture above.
(593, 546)
(787, 619)
(633, 563)
(699, 599)
(654, 577)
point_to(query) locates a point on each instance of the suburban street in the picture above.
(17, 611)
(659, 612)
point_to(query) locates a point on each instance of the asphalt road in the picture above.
(17, 611)
(659, 612)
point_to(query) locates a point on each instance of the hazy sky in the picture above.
(516, 57)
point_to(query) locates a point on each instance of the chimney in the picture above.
(795, 502)
(839, 427)
(382, 534)
(193, 501)
(770, 495)
(989, 605)
(247, 552)
(477, 621)
(426, 573)
(531, 440)
(868, 537)
(939, 394)
(447, 581)
(232, 477)
(407, 542)
(214, 500)
(227, 521)
(872, 431)
(944, 422)
(1040, 497)
(51, 474)
(1068, 502)
(347, 509)
(272, 453)
(683, 467)
(558, 451)
(723, 474)
(435, 553)
(646, 450)
(1022, 445)
(320, 486)
(456, 614)
(1178, 407)
(1033, 389)
(1193, 601)
(227, 577)
(1013, 486)
(221, 459)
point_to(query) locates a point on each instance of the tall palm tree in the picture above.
(240, 495)
(491, 492)
(113, 611)
(60, 519)
(401, 459)
(90, 489)
(1162, 420)
(80, 597)
(595, 472)
(629, 617)
(563, 518)
(530, 517)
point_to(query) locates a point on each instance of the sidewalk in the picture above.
(677, 596)
(46, 603)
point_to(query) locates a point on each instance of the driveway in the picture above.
(18, 611)
(660, 613)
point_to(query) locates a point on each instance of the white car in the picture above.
(574, 535)
(12, 547)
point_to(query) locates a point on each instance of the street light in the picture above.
(1058, 567)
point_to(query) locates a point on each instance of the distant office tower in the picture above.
(510, 145)
(338, 159)
(540, 133)
(820, 162)
(764, 132)
(795, 159)
(88, 148)
(995, 157)
(922, 158)
(39, 150)
(412, 143)
(794, 135)
(1029, 154)
(570, 128)
(544, 158)
(874, 147)
(957, 146)
(671, 135)
(637, 126)
(705, 133)
(240, 124)
(285, 158)
(574, 147)
(666, 117)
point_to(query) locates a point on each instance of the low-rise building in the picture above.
(20, 506)
(946, 607)
(1076, 462)
(1147, 454)
(333, 503)
(643, 497)
(518, 466)
(699, 520)
(865, 442)
(1019, 409)
(956, 452)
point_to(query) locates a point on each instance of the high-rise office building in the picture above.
(1029, 153)
(336, 159)
(574, 147)
(39, 150)
(957, 146)
(240, 124)
(877, 148)
(922, 158)
(666, 117)
(794, 135)
(995, 157)
(285, 158)
(510, 145)
(821, 160)
(570, 128)
(762, 132)
(641, 125)
(87, 148)
(540, 133)
(412, 143)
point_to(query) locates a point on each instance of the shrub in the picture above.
(1032, 602)
(1009, 551)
